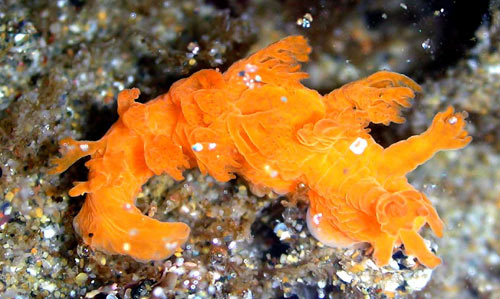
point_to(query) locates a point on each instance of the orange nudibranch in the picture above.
(258, 121)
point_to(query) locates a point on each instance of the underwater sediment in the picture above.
(63, 63)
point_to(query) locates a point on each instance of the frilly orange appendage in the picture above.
(121, 228)
(258, 121)
(72, 151)
(109, 220)
(377, 98)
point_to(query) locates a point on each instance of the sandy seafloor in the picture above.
(63, 62)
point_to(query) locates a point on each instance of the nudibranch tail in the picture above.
(121, 162)
(125, 230)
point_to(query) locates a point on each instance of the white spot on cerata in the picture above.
(250, 68)
(284, 99)
(358, 146)
(126, 246)
(452, 120)
(212, 145)
(197, 147)
(247, 78)
(127, 206)
(171, 245)
(272, 173)
(84, 147)
(317, 218)
(133, 232)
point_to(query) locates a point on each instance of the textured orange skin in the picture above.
(276, 133)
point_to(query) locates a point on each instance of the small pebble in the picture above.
(344, 276)
(81, 278)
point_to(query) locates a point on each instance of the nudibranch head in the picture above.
(406, 210)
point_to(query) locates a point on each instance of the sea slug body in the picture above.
(258, 121)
